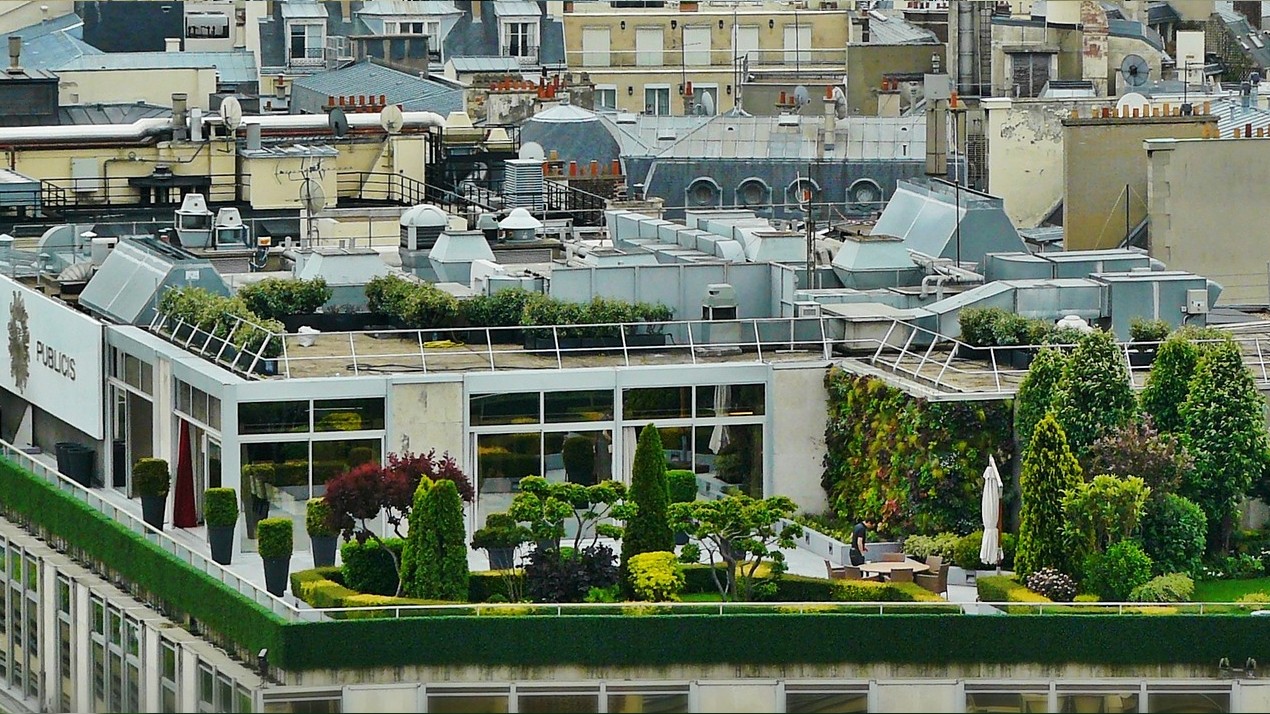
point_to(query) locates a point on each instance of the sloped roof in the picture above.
(898, 31)
(411, 92)
(515, 8)
(111, 113)
(303, 9)
(234, 67)
(52, 43)
(485, 64)
(409, 7)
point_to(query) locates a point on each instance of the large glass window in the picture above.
(556, 702)
(273, 417)
(1192, 702)
(460, 701)
(578, 406)
(1007, 701)
(826, 699)
(734, 400)
(583, 457)
(502, 460)
(348, 414)
(1077, 702)
(513, 408)
(734, 454)
(664, 700)
(657, 403)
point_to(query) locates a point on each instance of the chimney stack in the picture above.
(172, 44)
(15, 54)
(180, 129)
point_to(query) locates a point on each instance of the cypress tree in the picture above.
(1049, 471)
(1095, 394)
(1036, 392)
(436, 546)
(649, 529)
(1169, 382)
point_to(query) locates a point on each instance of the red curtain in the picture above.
(183, 513)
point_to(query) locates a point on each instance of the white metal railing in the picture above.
(157, 537)
(220, 349)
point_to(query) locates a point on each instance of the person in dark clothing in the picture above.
(858, 548)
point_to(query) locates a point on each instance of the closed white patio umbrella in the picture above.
(990, 549)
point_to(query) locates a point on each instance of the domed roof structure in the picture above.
(425, 216)
(576, 134)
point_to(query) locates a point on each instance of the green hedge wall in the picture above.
(914, 466)
(597, 641)
(154, 570)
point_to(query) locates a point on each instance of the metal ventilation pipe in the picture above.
(965, 46)
(15, 54)
(253, 137)
(180, 125)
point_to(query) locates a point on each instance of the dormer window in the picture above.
(518, 30)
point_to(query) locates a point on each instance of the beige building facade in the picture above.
(644, 61)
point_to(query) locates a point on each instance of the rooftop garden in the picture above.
(1120, 497)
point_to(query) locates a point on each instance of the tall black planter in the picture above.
(276, 572)
(221, 540)
(152, 508)
(502, 558)
(323, 551)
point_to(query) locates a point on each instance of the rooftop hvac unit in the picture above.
(807, 309)
(719, 303)
(522, 184)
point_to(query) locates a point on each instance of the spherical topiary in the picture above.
(1052, 584)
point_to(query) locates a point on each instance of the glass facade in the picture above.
(20, 666)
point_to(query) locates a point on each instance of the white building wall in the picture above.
(799, 413)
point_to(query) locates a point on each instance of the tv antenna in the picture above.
(391, 119)
(231, 114)
(1134, 70)
(338, 123)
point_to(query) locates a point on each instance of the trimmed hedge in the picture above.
(775, 638)
(323, 587)
(1003, 588)
(368, 569)
(153, 570)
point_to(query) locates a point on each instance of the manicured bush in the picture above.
(502, 309)
(1095, 394)
(1115, 573)
(682, 485)
(1103, 511)
(318, 521)
(151, 477)
(417, 305)
(484, 586)
(1173, 534)
(367, 568)
(578, 454)
(276, 298)
(1054, 585)
(943, 544)
(274, 537)
(1036, 392)
(1004, 588)
(966, 551)
(648, 530)
(978, 323)
(1225, 432)
(220, 507)
(655, 576)
(556, 576)
(434, 560)
(1173, 587)
(913, 465)
(1049, 471)
(500, 531)
(1142, 330)
(226, 318)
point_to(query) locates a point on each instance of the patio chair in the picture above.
(839, 573)
(854, 573)
(936, 580)
(902, 576)
(892, 557)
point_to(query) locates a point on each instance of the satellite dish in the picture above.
(391, 119)
(313, 195)
(338, 123)
(801, 96)
(532, 151)
(231, 114)
(1132, 101)
(840, 103)
(1135, 70)
(707, 104)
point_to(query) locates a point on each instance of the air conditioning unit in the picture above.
(807, 309)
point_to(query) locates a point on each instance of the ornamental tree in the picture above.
(434, 559)
(1169, 381)
(1225, 431)
(1137, 449)
(1036, 392)
(1095, 393)
(359, 495)
(740, 532)
(647, 529)
(1174, 532)
(544, 506)
(1103, 511)
(1049, 471)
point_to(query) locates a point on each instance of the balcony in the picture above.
(524, 55)
(721, 60)
(311, 57)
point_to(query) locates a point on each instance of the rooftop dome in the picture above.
(426, 216)
(575, 134)
(520, 220)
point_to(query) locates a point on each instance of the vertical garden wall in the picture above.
(913, 465)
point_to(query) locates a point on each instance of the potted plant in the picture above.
(500, 537)
(152, 479)
(275, 552)
(578, 453)
(682, 485)
(322, 536)
(977, 331)
(1146, 336)
(220, 512)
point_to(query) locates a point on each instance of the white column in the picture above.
(50, 662)
(187, 697)
(151, 666)
(81, 663)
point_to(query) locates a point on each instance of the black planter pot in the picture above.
(681, 538)
(221, 541)
(276, 572)
(967, 352)
(1142, 356)
(501, 558)
(546, 342)
(323, 550)
(267, 366)
(1021, 357)
(152, 508)
(333, 322)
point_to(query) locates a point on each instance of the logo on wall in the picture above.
(19, 342)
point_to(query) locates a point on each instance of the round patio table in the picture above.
(886, 568)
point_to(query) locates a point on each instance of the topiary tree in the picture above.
(1036, 392)
(647, 528)
(1116, 573)
(1049, 470)
(1103, 511)
(1225, 431)
(434, 560)
(1095, 393)
(1174, 531)
(740, 533)
(1169, 381)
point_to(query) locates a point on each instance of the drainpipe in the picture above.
(938, 280)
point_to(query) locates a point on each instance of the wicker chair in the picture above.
(902, 575)
(936, 580)
(854, 573)
(839, 573)
(893, 558)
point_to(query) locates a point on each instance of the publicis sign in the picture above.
(55, 357)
